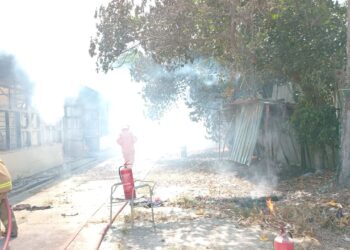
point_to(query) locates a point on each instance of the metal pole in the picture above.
(219, 134)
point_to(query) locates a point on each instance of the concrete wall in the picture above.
(28, 161)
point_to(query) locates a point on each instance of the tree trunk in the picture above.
(344, 178)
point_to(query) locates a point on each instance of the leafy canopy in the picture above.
(261, 41)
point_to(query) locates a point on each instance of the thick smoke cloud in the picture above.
(11, 73)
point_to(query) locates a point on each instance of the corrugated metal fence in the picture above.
(245, 128)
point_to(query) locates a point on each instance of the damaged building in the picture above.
(85, 122)
(259, 129)
(27, 144)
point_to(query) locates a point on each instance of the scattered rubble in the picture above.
(29, 207)
(71, 214)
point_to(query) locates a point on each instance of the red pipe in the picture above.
(109, 225)
(9, 226)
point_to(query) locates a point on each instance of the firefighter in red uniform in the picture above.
(5, 187)
(127, 140)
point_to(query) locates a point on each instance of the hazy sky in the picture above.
(50, 40)
(48, 35)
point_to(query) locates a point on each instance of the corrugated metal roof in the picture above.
(245, 128)
(284, 92)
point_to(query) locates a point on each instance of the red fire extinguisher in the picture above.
(283, 241)
(127, 179)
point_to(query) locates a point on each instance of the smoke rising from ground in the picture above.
(255, 181)
(265, 176)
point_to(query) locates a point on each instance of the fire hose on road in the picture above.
(9, 229)
(109, 225)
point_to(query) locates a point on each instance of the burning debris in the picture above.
(303, 206)
(270, 206)
(260, 202)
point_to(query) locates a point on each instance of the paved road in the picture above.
(79, 198)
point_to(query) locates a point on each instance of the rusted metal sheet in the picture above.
(245, 130)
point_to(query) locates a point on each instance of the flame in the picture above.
(270, 206)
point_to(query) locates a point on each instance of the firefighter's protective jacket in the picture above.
(126, 140)
(5, 179)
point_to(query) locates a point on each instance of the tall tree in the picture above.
(169, 34)
(344, 177)
(175, 32)
(261, 41)
(304, 43)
